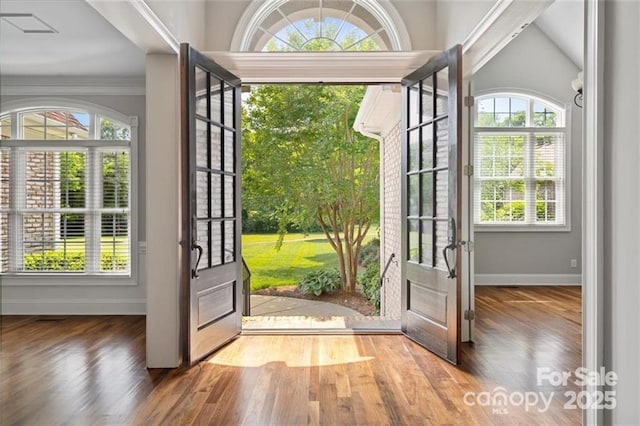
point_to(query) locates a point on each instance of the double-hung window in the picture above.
(520, 151)
(65, 193)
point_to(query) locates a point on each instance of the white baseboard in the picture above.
(74, 307)
(528, 279)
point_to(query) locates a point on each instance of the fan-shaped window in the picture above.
(321, 25)
(520, 163)
(65, 192)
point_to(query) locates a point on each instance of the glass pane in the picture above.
(427, 147)
(216, 243)
(442, 143)
(5, 178)
(53, 242)
(414, 195)
(546, 211)
(502, 201)
(442, 240)
(202, 238)
(113, 130)
(216, 100)
(229, 192)
(72, 176)
(79, 126)
(426, 255)
(216, 195)
(414, 147)
(414, 105)
(414, 238)
(501, 155)
(427, 194)
(115, 179)
(5, 127)
(485, 113)
(442, 194)
(4, 242)
(202, 190)
(442, 87)
(114, 245)
(216, 148)
(41, 182)
(427, 99)
(546, 150)
(201, 143)
(228, 106)
(201, 92)
(518, 112)
(229, 241)
(229, 157)
(543, 116)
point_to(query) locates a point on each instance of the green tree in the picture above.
(303, 162)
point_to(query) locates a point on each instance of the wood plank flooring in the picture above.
(91, 371)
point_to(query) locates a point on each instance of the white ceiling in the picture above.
(85, 45)
(563, 23)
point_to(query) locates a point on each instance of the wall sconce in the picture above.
(577, 86)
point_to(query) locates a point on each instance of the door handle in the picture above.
(453, 238)
(194, 271)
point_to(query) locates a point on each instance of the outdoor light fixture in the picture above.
(577, 86)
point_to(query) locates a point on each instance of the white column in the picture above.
(163, 206)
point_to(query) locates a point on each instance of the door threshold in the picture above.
(319, 325)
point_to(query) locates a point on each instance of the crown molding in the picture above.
(62, 86)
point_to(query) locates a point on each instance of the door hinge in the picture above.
(469, 314)
(468, 170)
(467, 246)
(469, 101)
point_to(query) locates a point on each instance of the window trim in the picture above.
(42, 278)
(566, 129)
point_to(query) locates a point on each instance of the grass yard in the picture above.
(298, 256)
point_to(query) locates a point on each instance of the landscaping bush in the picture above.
(320, 281)
(370, 284)
(54, 260)
(370, 252)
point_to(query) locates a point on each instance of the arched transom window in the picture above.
(321, 25)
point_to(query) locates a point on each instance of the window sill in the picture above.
(522, 228)
(66, 280)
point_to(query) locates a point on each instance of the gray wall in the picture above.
(533, 63)
(620, 207)
(39, 296)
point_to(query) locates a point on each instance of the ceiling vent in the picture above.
(28, 23)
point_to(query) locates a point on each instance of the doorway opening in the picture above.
(310, 210)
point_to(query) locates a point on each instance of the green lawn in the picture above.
(298, 255)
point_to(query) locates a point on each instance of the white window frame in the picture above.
(563, 200)
(91, 278)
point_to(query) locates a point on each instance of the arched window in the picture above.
(320, 25)
(520, 171)
(66, 191)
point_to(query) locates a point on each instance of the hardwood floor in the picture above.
(91, 370)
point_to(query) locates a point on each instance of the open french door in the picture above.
(211, 228)
(431, 204)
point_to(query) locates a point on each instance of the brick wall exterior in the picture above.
(391, 181)
(42, 192)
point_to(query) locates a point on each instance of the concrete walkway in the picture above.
(292, 306)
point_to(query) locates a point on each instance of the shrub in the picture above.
(370, 252)
(320, 281)
(370, 283)
(54, 260)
